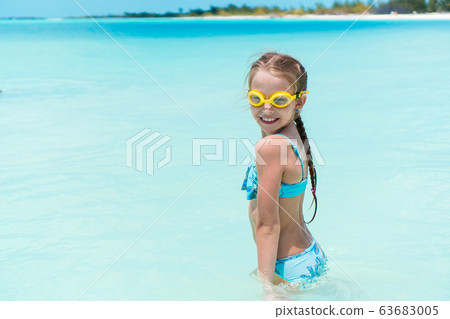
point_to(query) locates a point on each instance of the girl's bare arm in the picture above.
(267, 228)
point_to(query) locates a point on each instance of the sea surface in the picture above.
(77, 223)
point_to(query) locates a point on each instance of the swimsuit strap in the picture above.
(295, 151)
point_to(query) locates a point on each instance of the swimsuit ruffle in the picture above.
(250, 183)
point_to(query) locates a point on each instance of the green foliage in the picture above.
(443, 5)
(246, 10)
(338, 7)
(432, 6)
(416, 5)
(196, 12)
(321, 9)
(142, 15)
(214, 10)
(402, 6)
(408, 6)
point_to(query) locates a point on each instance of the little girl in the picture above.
(275, 185)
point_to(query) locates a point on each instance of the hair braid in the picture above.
(312, 170)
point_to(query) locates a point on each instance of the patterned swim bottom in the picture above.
(303, 269)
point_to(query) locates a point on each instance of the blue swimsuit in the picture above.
(287, 190)
(301, 269)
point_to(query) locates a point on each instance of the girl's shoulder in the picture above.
(277, 136)
(273, 140)
(271, 147)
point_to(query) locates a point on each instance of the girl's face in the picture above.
(272, 119)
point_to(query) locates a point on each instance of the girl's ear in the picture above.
(303, 99)
(301, 102)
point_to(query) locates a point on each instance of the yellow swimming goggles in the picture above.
(278, 99)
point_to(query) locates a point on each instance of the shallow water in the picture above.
(69, 205)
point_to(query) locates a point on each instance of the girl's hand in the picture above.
(263, 278)
(272, 292)
(269, 289)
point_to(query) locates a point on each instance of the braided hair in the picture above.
(312, 170)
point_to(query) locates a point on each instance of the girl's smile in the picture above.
(268, 120)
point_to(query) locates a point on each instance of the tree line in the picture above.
(356, 6)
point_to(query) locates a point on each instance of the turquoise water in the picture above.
(69, 205)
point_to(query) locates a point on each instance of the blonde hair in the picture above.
(282, 66)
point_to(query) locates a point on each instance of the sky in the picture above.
(69, 8)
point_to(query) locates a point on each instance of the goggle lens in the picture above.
(281, 101)
(254, 99)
